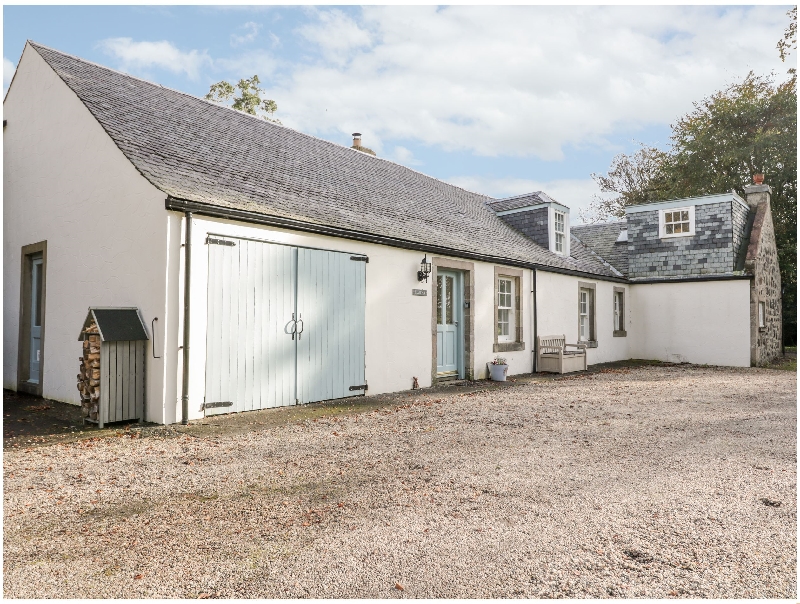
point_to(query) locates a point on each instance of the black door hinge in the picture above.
(360, 258)
(212, 241)
(218, 404)
(364, 387)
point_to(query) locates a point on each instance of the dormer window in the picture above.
(677, 222)
(559, 230)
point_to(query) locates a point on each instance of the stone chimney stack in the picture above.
(758, 192)
(356, 140)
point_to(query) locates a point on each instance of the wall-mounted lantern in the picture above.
(424, 269)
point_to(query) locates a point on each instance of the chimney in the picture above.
(356, 140)
(757, 193)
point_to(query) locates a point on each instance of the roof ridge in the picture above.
(257, 118)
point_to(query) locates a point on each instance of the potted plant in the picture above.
(498, 369)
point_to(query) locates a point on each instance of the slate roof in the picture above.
(195, 150)
(519, 201)
(601, 239)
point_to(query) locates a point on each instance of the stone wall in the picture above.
(762, 261)
(532, 223)
(711, 250)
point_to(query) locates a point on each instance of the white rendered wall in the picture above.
(557, 310)
(704, 322)
(520, 361)
(398, 343)
(64, 181)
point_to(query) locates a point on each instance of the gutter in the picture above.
(693, 279)
(203, 209)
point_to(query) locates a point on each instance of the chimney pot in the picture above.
(758, 179)
(356, 139)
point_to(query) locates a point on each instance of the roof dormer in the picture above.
(537, 216)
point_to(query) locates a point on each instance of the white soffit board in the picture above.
(687, 201)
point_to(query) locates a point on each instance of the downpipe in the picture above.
(535, 326)
(187, 277)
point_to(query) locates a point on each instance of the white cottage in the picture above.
(274, 268)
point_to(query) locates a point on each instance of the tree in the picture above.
(249, 99)
(633, 179)
(789, 41)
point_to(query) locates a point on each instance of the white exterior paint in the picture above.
(64, 181)
(557, 308)
(705, 322)
(398, 324)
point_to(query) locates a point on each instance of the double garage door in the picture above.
(285, 325)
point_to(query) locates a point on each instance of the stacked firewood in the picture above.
(89, 376)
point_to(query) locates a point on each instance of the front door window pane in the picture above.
(449, 300)
(439, 294)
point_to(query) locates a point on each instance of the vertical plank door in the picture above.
(331, 297)
(250, 352)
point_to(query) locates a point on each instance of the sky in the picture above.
(498, 100)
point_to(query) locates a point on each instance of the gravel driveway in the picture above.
(644, 482)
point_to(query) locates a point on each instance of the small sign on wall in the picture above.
(419, 292)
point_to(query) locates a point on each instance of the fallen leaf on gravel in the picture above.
(137, 576)
(770, 502)
(398, 586)
(202, 596)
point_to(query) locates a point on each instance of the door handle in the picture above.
(293, 324)
(455, 323)
(302, 326)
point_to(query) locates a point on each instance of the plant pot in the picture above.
(498, 372)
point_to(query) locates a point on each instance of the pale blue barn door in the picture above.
(448, 319)
(250, 353)
(330, 328)
(285, 325)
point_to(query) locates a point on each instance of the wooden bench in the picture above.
(553, 356)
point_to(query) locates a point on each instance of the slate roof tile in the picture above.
(195, 150)
(601, 239)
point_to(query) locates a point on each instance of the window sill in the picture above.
(589, 344)
(620, 333)
(508, 346)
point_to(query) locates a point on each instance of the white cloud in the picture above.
(404, 156)
(276, 41)
(139, 57)
(524, 81)
(8, 72)
(336, 34)
(251, 29)
(573, 193)
(258, 63)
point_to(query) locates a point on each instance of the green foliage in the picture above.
(789, 41)
(633, 179)
(249, 99)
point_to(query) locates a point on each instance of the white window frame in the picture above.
(617, 311)
(560, 235)
(662, 223)
(504, 297)
(584, 314)
(762, 314)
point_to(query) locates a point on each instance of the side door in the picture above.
(331, 299)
